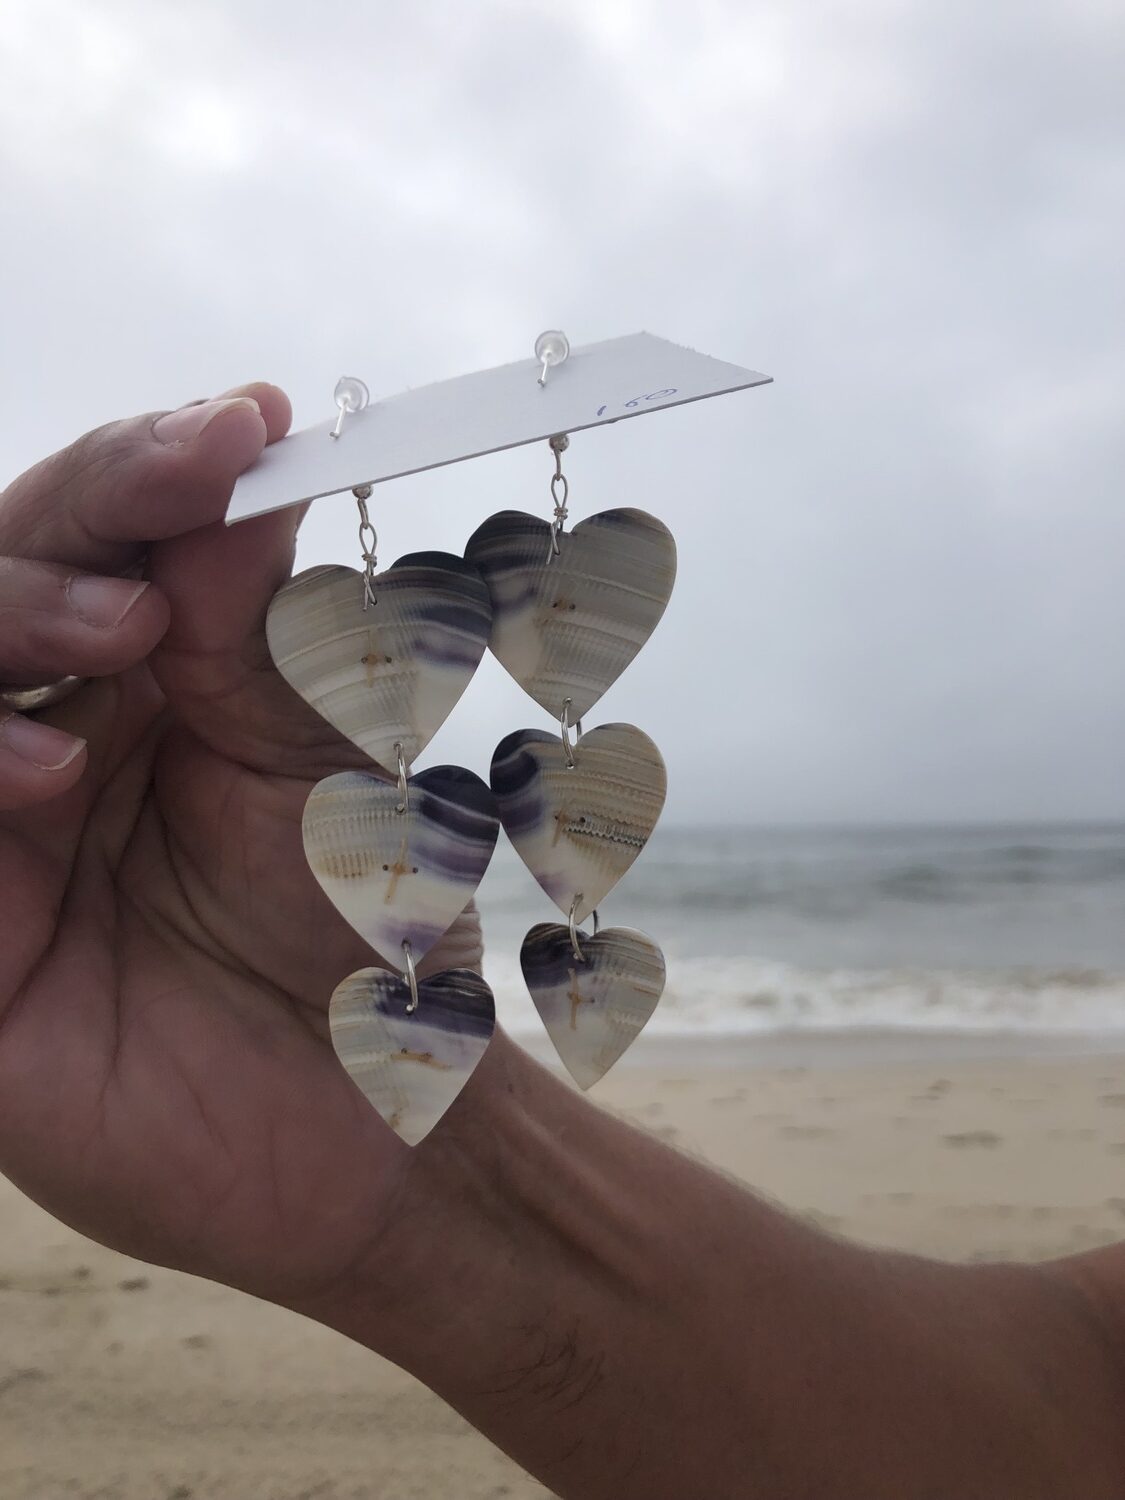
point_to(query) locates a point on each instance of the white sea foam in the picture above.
(1003, 930)
(718, 997)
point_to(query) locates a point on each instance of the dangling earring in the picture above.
(384, 657)
(570, 610)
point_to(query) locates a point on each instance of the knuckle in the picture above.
(33, 504)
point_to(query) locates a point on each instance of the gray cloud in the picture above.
(900, 584)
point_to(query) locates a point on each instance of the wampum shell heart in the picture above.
(579, 828)
(569, 628)
(593, 1007)
(400, 876)
(393, 672)
(411, 1067)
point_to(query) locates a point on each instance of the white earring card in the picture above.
(483, 413)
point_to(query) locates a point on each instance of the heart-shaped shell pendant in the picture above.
(567, 629)
(400, 874)
(578, 827)
(390, 674)
(595, 1002)
(411, 1064)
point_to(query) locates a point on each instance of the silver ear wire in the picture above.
(551, 348)
(350, 395)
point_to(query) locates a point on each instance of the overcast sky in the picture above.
(900, 593)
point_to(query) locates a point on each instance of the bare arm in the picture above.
(623, 1321)
(627, 1323)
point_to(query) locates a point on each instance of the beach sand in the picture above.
(120, 1382)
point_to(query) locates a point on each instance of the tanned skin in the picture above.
(626, 1323)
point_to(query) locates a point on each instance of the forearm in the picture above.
(626, 1323)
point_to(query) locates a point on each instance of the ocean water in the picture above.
(992, 929)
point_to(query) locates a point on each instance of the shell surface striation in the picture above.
(595, 1006)
(569, 628)
(390, 674)
(400, 876)
(579, 828)
(411, 1067)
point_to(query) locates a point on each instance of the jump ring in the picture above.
(564, 725)
(403, 789)
(574, 947)
(411, 977)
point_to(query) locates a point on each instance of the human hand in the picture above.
(167, 1084)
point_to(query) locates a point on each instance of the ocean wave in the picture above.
(920, 883)
(751, 995)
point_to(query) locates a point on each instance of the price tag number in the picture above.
(639, 401)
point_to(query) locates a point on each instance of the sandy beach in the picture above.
(120, 1382)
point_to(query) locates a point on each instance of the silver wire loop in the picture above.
(560, 492)
(411, 977)
(564, 726)
(579, 957)
(575, 947)
(368, 541)
(403, 789)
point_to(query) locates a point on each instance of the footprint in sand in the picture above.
(973, 1138)
(135, 1284)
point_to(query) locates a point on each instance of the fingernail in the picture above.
(102, 602)
(187, 423)
(42, 744)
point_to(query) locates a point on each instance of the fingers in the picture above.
(93, 505)
(37, 761)
(57, 622)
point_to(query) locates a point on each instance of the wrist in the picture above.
(625, 1322)
(480, 1190)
